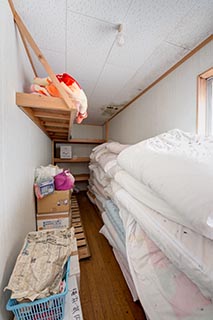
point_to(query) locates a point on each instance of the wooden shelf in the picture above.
(82, 141)
(73, 160)
(81, 177)
(50, 114)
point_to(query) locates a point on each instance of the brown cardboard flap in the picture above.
(59, 201)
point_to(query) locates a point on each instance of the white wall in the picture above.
(86, 131)
(171, 103)
(22, 148)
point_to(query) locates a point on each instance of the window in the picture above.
(205, 103)
(209, 107)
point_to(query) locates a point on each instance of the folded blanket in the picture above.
(112, 212)
(107, 161)
(178, 167)
(189, 252)
(164, 291)
(116, 147)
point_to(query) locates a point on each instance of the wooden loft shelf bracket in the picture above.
(29, 103)
(50, 114)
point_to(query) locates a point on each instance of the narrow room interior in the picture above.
(106, 119)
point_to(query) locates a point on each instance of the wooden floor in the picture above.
(103, 290)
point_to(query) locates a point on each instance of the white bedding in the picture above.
(116, 147)
(188, 251)
(99, 174)
(178, 167)
(164, 291)
(107, 147)
(122, 261)
(144, 194)
(117, 243)
(107, 161)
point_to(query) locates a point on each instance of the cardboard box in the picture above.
(53, 221)
(65, 152)
(59, 201)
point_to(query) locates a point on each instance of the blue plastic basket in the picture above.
(50, 308)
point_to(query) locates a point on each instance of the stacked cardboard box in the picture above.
(54, 211)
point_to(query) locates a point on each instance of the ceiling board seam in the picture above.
(128, 10)
(94, 18)
(109, 52)
(177, 45)
(50, 50)
(105, 62)
(182, 19)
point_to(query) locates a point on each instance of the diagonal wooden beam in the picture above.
(27, 36)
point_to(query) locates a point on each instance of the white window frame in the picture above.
(204, 123)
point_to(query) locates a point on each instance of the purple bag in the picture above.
(64, 180)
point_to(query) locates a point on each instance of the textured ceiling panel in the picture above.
(107, 10)
(55, 59)
(46, 21)
(147, 24)
(88, 44)
(163, 58)
(106, 89)
(196, 26)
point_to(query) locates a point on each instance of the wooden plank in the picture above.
(84, 141)
(83, 248)
(81, 242)
(58, 134)
(79, 235)
(81, 177)
(207, 74)
(56, 130)
(77, 224)
(40, 101)
(89, 141)
(55, 136)
(73, 160)
(51, 115)
(55, 124)
(78, 229)
(28, 54)
(83, 253)
(75, 214)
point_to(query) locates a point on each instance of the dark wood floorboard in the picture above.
(103, 290)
